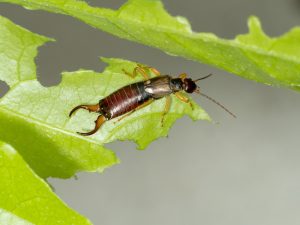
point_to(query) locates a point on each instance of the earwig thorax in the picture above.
(176, 84)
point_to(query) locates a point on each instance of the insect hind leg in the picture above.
(90, 108)
(152, 69)
(143, 71)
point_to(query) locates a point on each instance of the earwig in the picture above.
(135, 96)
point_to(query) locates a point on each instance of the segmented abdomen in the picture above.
(124, 100)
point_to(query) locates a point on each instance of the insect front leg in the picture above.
(183, 76)
(184, 99)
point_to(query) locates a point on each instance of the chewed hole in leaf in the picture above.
(3, 88)
(49, 75)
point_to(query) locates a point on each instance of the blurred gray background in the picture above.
(233, 172)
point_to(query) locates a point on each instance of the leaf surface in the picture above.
(255, 56)
(8, 218)
(34, 119)
(26, 199)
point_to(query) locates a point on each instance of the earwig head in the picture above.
(189, 85)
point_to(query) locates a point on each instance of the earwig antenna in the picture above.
(203, 77)
(219, 104)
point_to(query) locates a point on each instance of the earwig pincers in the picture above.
(135, 96)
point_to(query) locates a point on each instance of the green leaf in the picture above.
(34, 119)
(29, 124)
(8, 218)
(27, 199)
(272, 61)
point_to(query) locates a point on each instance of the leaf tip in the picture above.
(185, 22)
(115, 162)
(254, 25)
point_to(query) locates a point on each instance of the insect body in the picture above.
(135, 96)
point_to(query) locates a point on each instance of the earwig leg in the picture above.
(152, 69)
(182, 76)
(135, 71)
(126, 115)
(155, 71)
(142, 70)
(140, 107)
(90, 108)
(132, 75)
(184, 99)
(98, 122)
(166, 110)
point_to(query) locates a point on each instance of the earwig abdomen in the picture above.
(123, 100)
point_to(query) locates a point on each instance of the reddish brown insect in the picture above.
(135, 96)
